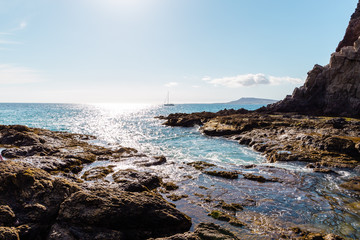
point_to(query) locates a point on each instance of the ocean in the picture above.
(305, 198)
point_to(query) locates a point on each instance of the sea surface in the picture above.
(304, 198)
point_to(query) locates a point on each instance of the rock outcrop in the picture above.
(333, 89)
(42, 196)
(326, 141)
(353, 30)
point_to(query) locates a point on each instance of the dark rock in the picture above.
(33, 195)
(353, 30)
(227, 218)
(337, 123)
(159, 160)
(231, 206)
(37, 205)
(135, 181)
(211, 231)
(352, 184)
(341, 145)
(201, 165)
(169, 186)
(136, 215)
(253, 177)
(175, 197)
(323, 170)
(334, 89)
(7, 216)
(69, 232)
(7, 233)
(97, 173)
(223, 174)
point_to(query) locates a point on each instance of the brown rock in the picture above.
(333, 89)
(135, 181)
(7, 233)
(136, 215)
(213, 231)
(353, 30)
(223, 174)
(7, 216)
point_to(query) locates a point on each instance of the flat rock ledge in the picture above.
(322, 142)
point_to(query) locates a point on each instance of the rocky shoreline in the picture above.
(324, 143)
(57, 185)
(43, 198)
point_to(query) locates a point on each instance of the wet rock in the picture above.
(169, 186)
(323, 170)
(97, 173)
(220, 215)
(135, 181)
(258, 178)
(223, 174)
(231, 206)
(175, 197)
(136, 215)
(209, 231)
(352, 184)
(159, 160)
(201, 165)
(226, 217)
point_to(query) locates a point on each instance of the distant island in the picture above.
(252, 101)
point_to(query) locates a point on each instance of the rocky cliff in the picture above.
(353, 30)
(333, 89)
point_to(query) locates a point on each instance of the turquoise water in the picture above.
(304, 198)
(131, 125)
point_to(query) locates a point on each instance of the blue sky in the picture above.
(81, 51)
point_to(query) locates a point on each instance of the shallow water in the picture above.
(302, 198)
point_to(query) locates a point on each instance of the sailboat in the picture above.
(167, 101)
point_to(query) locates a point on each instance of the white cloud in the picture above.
(247, 80)
(171, 84)
(10, 74)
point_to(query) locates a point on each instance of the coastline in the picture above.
(45, 194)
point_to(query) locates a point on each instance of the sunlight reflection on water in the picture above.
(306, 198)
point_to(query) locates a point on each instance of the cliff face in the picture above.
(353, 30)
(335, 88)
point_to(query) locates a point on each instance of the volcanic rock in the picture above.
(353, 30)
(333, 89)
